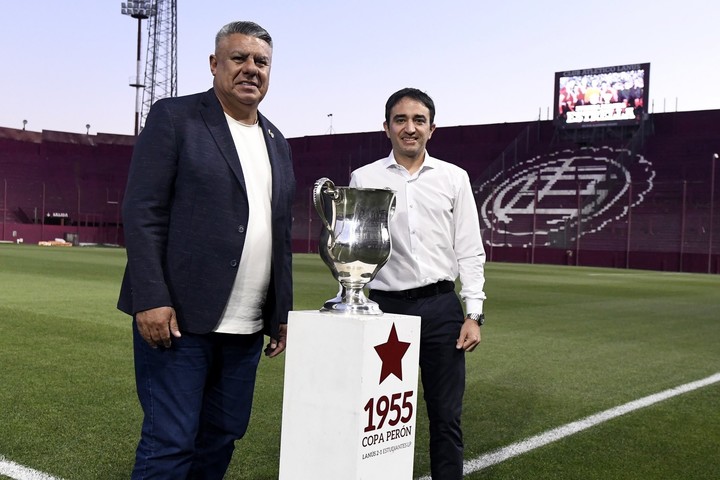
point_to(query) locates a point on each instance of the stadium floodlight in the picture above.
(141, 10)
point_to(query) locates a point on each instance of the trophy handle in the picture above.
(318, 201)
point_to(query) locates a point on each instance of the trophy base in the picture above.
(365, 307)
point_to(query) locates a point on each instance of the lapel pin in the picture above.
(271, 134)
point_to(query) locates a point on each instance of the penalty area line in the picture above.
(537, 441)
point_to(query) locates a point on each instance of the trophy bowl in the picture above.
(354, 241)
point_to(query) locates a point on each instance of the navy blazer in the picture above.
(185, 214)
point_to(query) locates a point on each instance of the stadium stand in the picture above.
(643, 193)
(62, 185)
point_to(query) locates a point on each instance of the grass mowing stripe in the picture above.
(18, 472)
(555, 434)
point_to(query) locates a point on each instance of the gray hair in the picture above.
(246, 28)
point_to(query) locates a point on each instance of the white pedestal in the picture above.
(350, 394)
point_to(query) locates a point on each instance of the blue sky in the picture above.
(68, 64)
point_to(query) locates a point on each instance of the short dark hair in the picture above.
(414, 94)
(246, 28)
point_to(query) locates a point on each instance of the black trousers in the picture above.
(442, 370)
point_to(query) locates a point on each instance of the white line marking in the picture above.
(18, 472)
(524, 446)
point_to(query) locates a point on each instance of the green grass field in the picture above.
(560, 343)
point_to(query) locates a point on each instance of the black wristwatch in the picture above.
(478, 317)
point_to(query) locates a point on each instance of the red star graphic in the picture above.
(391, 354)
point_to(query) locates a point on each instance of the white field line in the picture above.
(19, 472)
(524, 446)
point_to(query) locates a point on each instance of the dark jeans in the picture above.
(196, 397)
(442, 370)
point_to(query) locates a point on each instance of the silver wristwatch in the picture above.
(478, 317)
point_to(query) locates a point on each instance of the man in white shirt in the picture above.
(435, 236)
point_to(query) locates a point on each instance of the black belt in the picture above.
(443, 286)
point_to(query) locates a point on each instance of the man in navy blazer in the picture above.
(207, 221)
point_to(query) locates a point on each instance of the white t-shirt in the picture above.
(243, 312)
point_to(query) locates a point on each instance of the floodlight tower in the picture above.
(141, 10)
(161, 58)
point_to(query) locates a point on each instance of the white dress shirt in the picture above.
(435, 231)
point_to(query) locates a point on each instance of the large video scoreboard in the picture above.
(602, 96)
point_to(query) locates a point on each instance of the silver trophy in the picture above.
(355, 241)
